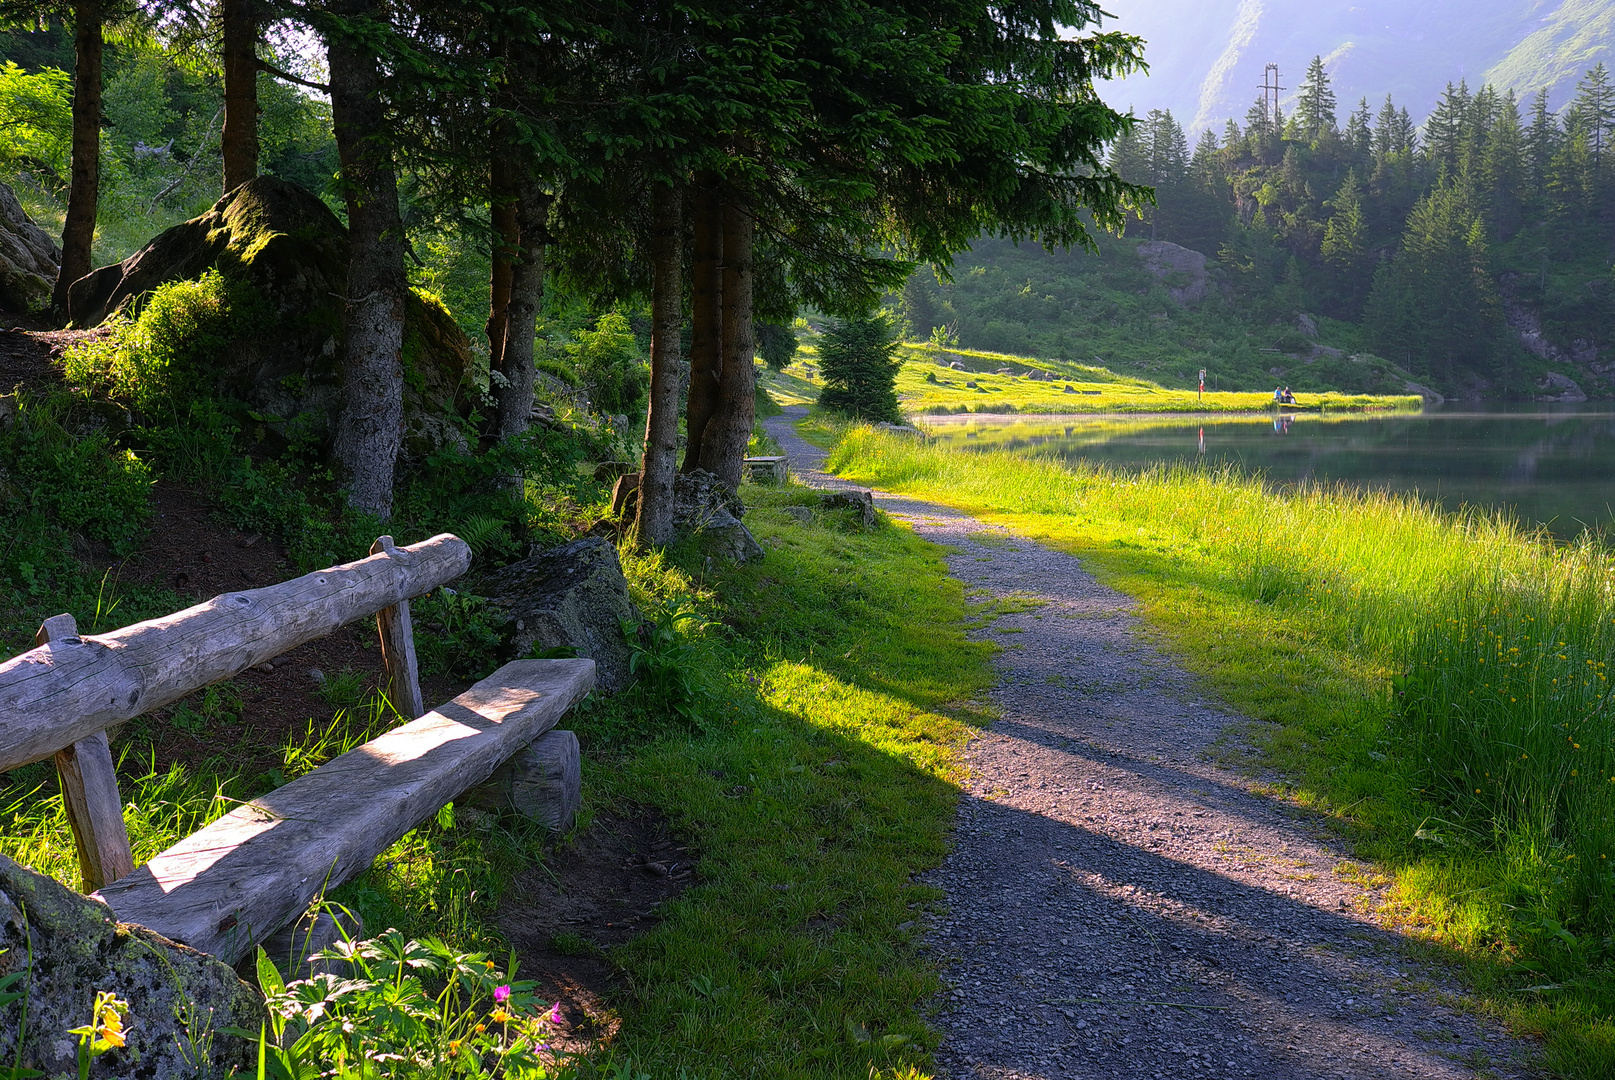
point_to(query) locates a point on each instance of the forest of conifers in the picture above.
(1433, 237)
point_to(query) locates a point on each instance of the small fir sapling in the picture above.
(859, 368)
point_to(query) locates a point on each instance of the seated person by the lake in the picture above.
(1277, 395)
(1287, 398)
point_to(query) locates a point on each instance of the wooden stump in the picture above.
(542, 781)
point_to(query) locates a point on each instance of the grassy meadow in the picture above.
(1437, 682)
(927, 385)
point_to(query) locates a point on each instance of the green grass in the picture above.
(926, 385)
(1438, 682)
(818, 786)
(815, 784)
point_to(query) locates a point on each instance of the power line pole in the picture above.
(1270, 93)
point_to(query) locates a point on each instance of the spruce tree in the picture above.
(1592, 113)
(1315, 110)
(776, 344)
(856, 359)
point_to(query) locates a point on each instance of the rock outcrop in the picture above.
(570, 597)
(291, 249)
(29, 258)
(180, 1000)
(703, 507)
(861, 503)
(1556, 387)
(1182, 270)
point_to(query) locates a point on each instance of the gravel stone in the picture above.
(1122, 905)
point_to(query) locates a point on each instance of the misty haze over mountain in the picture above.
(1207, 56)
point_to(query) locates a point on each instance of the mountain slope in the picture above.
(1207, 56)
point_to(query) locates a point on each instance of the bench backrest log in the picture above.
(61, 696)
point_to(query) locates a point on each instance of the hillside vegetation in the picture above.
(1473, 253)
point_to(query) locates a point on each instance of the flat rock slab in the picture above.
(1120, 906)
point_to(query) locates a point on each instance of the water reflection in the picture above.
(1549, 464)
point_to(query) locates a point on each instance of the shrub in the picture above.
(608, 361)
(859, 368)
(55, 485)
(161, 359)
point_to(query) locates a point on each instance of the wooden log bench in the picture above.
(231, 885)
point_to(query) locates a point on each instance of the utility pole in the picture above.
(1270, 93)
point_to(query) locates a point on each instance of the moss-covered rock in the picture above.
(70, 947)
(29, 258)
(288, 247)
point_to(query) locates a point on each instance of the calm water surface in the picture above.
(1548, 464)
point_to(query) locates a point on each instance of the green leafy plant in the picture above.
(663, 656)
(342, 689)
(160, 360)
(404, 1008)
(464, 634)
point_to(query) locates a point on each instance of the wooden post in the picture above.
(398, 649)
(90, 791)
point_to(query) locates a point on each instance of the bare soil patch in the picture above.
(196, 555)
(30, 355)
(601, 890)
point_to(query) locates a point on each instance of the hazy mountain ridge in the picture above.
(1207, 56)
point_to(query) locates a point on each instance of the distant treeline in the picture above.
(1425, 235)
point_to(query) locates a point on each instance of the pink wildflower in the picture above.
(501, 994)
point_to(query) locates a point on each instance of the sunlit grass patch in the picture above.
(815, 792)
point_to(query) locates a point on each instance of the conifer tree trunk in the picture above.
(240, 138)
(706, 317)
(723, 446)
(515, 398)
(660, 460)
(371, 419)
(503, 192)
(84, 186)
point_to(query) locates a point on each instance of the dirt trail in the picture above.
(1119, 905)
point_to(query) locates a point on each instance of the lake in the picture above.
(1549, 464)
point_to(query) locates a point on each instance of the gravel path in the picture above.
(1120, 906)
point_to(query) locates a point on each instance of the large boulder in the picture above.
(29, 258)
(1182, 270)
(180, 1000)
(705, 508)
(570, 597)
(291, 249)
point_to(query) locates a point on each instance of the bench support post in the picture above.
(398, 649)
(90, 791)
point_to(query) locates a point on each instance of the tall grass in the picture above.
(1467, 659)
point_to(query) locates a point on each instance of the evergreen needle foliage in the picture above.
(857, 360)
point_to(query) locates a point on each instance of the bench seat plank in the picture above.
(228, 886)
